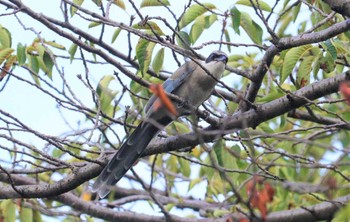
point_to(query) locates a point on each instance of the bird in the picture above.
(193, 82)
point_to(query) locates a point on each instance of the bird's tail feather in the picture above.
(125, 158)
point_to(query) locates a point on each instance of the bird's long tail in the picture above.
(125, 158)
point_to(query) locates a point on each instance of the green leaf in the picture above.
(57, 153)
(236, 19)
(330, 48)
(92, 44)
(5, 38)
(304, 70)
(342, 215)
(262, 5)
(21, 54)
(185, 167)
(285, 22)
(227, 37)
(207, 171)
(183, 40)
(148, 3)
(37, 216)
(253, 30)
(98, 2)
(180, 127)
(120, 4)
(327, 63)
(34, 64)
(149, 26)
(158, 60)
(26, 214)
(106, 95)
(220, 212)
(4, 54)
(48, 64)
(144, 50)
(219, 147)
(296, 11)
(197, 28)
(115, 34)
(8, 209)
(210, 19)
(72, 50)
(292, 57)
(193, 12)
(73, 9)
(170, 206)
(94, 24)
(247, 139)
(194, 182)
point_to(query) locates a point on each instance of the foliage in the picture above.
(274, 136)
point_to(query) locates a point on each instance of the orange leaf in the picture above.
(260, 197)
(163, 99)
(344, 88)
(86, 196)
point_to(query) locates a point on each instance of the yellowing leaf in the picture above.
(94, 24)
(147, 3)
(73, 9)
(262, 5)
(303, 75)
(197, 28)
(291, 58)
(72, 50)
(5, 38)
(7, 66)
(194, 182)
(115, 34)
(119, 3)
(55, 45)
(210, 19)
(106, 95)
(8, 210)
(26, 214)
(149, 26)
(5, 53)
(144, 50)
(193, 12)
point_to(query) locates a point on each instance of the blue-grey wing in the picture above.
(174, 81)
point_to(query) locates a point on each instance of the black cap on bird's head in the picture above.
(217, 56)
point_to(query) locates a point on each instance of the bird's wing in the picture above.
(174, 81)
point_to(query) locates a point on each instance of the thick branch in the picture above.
(253, 117)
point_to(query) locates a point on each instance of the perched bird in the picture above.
(190, 82)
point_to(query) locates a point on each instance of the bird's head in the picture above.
(217, 56)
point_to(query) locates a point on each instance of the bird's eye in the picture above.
(211, 57)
